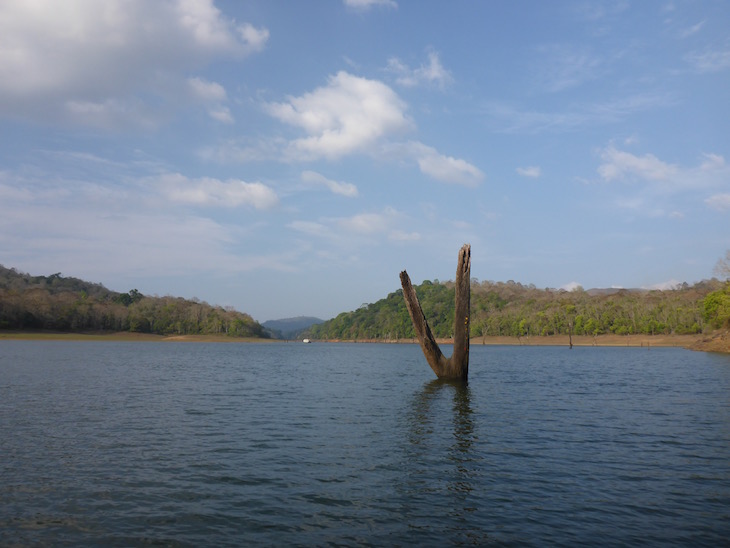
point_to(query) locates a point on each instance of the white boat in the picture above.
(307, 341)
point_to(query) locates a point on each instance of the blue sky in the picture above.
(291, 158)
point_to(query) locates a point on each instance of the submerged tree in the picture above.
(457, 366)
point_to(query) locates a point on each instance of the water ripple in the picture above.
(183, 445)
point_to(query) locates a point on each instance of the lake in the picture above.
(188, 444)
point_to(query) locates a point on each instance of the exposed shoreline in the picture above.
(718, 341)
(121, 336)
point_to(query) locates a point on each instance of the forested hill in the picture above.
(58, 303)
(289, 328)
(513, 309)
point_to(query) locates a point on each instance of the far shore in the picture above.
(718, 341)
(122, 336)
(713, 342)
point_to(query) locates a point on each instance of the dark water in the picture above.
(289, 444)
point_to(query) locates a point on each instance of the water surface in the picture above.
(185, 444)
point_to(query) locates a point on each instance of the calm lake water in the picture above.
(127, 444)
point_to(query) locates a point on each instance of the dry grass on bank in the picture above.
(119, 336)
(704, 342)
(718, 341)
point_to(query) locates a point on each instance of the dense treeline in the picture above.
(61, 303)
(516, 310)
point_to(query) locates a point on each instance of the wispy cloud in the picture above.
(367, 227)
(341, 188)
(563, 67)
(710, 60)
(214, 94)
(719, 202)
(618, 164)
(207, 91)
(139, 226)
(694, 29)
(531, 171)
(655, 180)
(514, 119)
(367, 4)
(446, 169)
(207, 191)
(432, 73)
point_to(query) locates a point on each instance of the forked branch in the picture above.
(457, 366)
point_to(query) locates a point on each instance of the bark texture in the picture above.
(457, 366)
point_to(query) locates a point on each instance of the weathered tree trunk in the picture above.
(457, 366)
(570, 334)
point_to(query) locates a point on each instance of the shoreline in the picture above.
(718, 341)
(121, 336)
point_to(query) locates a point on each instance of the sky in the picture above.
(291, 158)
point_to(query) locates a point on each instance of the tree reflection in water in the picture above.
(442, 459)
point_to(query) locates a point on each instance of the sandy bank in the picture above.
(121, 336)
(718, 341)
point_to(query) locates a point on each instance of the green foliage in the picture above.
(69, 304)
(716, 307)
(515, 310)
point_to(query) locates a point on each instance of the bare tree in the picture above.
(457, 366)
(722, 268)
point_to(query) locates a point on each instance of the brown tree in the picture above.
(457, 366)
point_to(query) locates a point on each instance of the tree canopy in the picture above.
(516, 310)
(61, 303)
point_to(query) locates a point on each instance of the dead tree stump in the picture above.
(457, 366)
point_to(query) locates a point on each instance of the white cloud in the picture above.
(432, 73)
(97, 230)
(367, 4)
(620, 165)
(255, 39)
(344, 189)
(365, 223)
(211, 92)
(362, 228)
(55, 57)
(531, 171)
(207, 91)
(662, 180)
(720, 202)
(348, 115)
(310, 228)
(402, 236)
(214, 192)
(669, 285)
(443, 168)
(112, 112)
(712, 162)
(222, 114)
(571, 286)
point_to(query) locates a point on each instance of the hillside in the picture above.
(290, 328)
(66, 304)
(510, 309)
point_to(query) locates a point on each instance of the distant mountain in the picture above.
(613, 290)
(289, 328)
